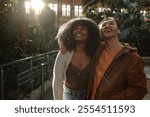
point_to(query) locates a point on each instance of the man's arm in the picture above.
(137, 84)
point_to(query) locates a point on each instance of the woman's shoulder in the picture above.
(65, 54)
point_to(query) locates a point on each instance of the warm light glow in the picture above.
(37, 5)
(100, 9)
(53, 7)
(27, 7)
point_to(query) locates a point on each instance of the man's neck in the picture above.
(113, 44)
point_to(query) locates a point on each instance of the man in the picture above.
(117, 70)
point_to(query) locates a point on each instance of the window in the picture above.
(54, 7)
(66, 10)
(78, 10)
(37, 5)
(27, 7)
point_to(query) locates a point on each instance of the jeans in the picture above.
(69, 94)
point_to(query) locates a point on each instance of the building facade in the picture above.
(65, 9)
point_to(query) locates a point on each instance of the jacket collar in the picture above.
(126, 48)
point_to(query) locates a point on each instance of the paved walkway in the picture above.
(36, 95)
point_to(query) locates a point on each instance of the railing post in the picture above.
(32, 80)
(2, 83)
(48, 65)
(42, 81)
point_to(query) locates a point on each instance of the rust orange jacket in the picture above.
(124, 79)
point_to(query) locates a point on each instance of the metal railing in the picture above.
(25, 75)
(29, 73)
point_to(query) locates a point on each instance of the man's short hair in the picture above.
(111, 18)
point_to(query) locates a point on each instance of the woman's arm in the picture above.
(58, 74)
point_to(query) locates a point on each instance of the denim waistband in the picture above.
(74, 91)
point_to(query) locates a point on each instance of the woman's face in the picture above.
(80, 33)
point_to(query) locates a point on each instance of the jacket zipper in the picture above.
(104, 78)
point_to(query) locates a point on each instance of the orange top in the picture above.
(103, 63)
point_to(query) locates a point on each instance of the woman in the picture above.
(71, 70)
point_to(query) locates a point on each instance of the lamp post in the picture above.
(59, 4)
(72, 8)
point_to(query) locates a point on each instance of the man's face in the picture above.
(109, 29)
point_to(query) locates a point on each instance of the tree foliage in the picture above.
(21, 34)
(9, 31)
(41, 36)
(135, 30)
